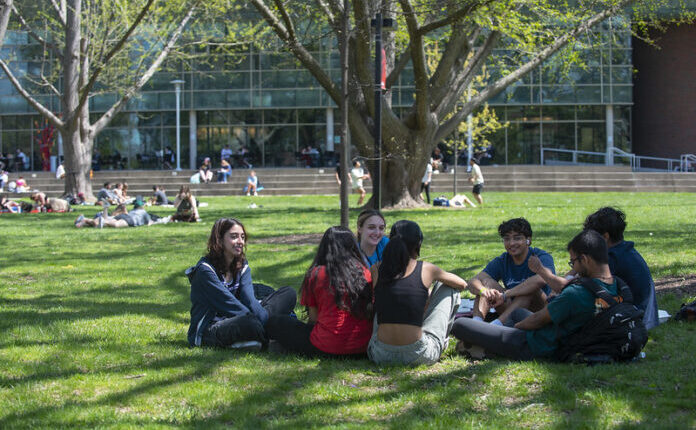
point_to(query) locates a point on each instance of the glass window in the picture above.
(523, 143)
(558, 113)
(559, 135)
(591, 112)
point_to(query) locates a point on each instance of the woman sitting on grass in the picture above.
(371, 236)
(224, 310)
(413, 323)
(186, 206)
(337, 293)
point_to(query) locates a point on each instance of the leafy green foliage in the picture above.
(93, 326)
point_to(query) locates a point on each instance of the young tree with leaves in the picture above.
(99, 47)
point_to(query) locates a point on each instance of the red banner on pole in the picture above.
(383, 80)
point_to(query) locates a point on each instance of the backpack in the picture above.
(616, 333)
(687, 312)
(440, 201)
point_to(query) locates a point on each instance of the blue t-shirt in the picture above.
(570, 311)
(376, 257)
(626, 263)
(503, 268)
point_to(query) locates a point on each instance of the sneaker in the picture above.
(468, 350)
(248, 194)
(79, 220)
(249, 345)
(255, 193)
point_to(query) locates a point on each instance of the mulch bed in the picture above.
(678, 285)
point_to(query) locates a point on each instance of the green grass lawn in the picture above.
(93, 327)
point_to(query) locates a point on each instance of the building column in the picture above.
(330, 129)
(609, 159)
(193, 140)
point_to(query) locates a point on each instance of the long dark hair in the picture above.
(338, 252)
(216, 250)
(405, 240)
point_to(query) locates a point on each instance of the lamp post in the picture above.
(177, 88)
(380, 77)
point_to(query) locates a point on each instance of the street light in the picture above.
(380, 77)
(177, 87)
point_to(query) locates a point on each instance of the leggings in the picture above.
(427, 190)
(503, 341)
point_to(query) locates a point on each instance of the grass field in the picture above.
(93, 327)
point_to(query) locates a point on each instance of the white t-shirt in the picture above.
(60, 171)
(357, 174)
(476, 174)
(427, 177)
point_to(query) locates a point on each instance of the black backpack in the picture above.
(617, 333)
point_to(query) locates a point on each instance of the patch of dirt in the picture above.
(678, 285)
(293, 239)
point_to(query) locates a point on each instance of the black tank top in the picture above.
(402, 302)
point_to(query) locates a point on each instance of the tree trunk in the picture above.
(403, 166)
(78, 162)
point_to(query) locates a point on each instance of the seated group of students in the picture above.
(372, 296)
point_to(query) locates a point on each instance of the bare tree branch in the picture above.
(60, 9)
(86, 90)
(34, 35)
(420, 71)
(399, 66)
(454, 17)
(301, 53)
(108, 115)
(31, 100)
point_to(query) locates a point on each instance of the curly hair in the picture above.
(518, 225)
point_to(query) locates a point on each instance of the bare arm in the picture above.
(432, 273)
(557, 283)
(535, 320)
(483, 285)
(529, 286)
(192, 201)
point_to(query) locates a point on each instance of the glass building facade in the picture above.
(265, 102)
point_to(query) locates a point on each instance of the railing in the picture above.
(686, 163)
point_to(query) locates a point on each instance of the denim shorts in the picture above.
(425, 350)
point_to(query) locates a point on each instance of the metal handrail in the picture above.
(686, 161)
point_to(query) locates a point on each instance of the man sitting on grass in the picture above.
(624, 262)
(537, 335)
(522, 287)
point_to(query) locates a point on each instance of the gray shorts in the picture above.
(439, 317)
(426, 350)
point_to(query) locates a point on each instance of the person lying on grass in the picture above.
(413, 320)
(120, 218)
(624, 262)
(528, 335)
(337, 293)
(224, 310)
(521, 288)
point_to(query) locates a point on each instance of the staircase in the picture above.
(298, 181)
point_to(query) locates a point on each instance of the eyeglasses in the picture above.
(517, 238)
(572, 261)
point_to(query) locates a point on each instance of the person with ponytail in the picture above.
(371, 238)
(337, 293)
(412, 320)
(224, 309)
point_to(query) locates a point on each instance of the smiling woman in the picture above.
(224, 310)
(371, 236)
